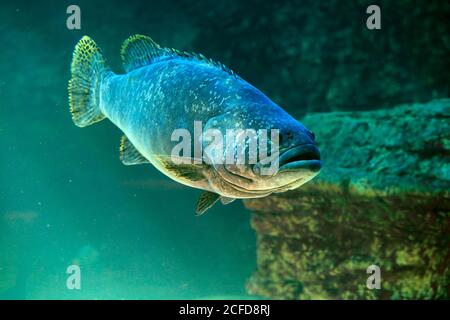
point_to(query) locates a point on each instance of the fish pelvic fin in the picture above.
(207, 200)
(88, 68)
(226, 200)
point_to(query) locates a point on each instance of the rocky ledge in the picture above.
(381, 199)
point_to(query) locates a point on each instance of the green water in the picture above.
(66, 198)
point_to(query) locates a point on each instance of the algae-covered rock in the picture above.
(405, 148)
(381, 199)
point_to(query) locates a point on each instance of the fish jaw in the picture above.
(303, 157)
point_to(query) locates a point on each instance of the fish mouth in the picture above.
(306, 157)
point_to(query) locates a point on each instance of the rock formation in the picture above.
(381, 199)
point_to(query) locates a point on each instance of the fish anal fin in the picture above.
(129, 155)
(207, 200)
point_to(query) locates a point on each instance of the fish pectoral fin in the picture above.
(207, 200)
(226, 200)
(129, 155)
(191, 172)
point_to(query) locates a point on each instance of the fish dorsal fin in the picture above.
(129, 155)
(207, 200)
(139, 50)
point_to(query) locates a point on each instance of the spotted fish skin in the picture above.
(164, 90)
(164, 96)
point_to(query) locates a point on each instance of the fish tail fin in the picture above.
(88, 69)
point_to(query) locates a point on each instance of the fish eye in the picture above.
(313, 136)
(285, 137)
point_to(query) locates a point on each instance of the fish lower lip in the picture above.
(301, 157)
(310, 165)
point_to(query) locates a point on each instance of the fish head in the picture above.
(279, 152)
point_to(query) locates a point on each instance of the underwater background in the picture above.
(65, 197)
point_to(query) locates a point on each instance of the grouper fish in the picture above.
(164, 91)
